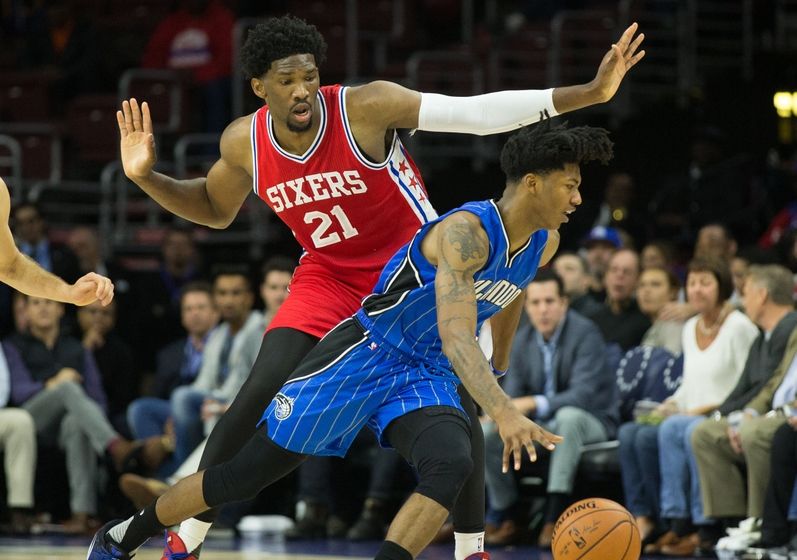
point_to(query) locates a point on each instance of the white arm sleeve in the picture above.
(490, 113)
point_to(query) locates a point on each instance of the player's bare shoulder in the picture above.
(236, 143)
(384, 104)
(462, 232)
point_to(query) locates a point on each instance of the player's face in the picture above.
(561, 194)
(290, 88)
(274, 289)
(545, 306)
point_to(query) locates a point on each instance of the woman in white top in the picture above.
(715, 346)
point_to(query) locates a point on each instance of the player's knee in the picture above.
(223, 483)
(444, 464)
(441, 479)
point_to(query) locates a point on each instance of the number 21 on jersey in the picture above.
(322, 236)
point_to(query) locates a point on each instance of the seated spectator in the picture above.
(620, 320)
(18, 444)
(723, 449)
(84, 242)
(657, 254)
(658, 286)
(114, 358)
(197, 37)
(200, 314)
(55, 379)
(177, 365)
(30, 232)
(777, 535)
(599, 246)
(558, 376)
(158, 294)
(716, 344)
(228, 356)
(572, 269)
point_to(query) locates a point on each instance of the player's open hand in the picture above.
(137, 140)
(90, 288)
(519, 433)
(620, 59)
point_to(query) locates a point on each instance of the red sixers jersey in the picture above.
(349, 214)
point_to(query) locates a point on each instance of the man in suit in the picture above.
(558, 375)
(720, 447)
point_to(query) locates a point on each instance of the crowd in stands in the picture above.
(666, 325)
(691, 369)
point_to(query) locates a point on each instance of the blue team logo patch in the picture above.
(283, 406)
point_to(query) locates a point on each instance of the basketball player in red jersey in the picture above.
(25, 275)
(328, 161)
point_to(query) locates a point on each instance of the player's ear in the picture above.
(259, 87)
(531, 182)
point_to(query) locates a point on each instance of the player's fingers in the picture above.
(147, 118)
(517, 452)
(637, 57)
(625, 38)
(635, 45)
(128, 116)
(120, 119)
(531, 451)
(104, 287)
(505, 459)
(136, 111)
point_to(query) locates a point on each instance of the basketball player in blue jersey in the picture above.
(396, 364)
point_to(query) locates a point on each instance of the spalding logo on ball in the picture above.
(596, 529)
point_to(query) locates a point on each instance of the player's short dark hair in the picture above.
(544, 147)
(718, 268)
(278, 38)
(232, 269)
(279, 263)
(550, 275)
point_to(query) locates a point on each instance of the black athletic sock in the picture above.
(392, 551)
(141, 527)
(557, 503)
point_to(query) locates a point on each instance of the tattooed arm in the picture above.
(460, 248)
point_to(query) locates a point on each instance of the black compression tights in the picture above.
(468, 512)
(280, 353)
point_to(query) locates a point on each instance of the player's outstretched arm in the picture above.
(620, 58)
(461, 249)
(386, 105)
(25, 275)
(213, 201)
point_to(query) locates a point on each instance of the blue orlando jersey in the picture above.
(401, 312)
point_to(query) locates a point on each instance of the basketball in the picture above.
(596, 529)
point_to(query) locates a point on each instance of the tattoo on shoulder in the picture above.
(468, 241)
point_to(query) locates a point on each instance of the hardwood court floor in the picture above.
(246, 548)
